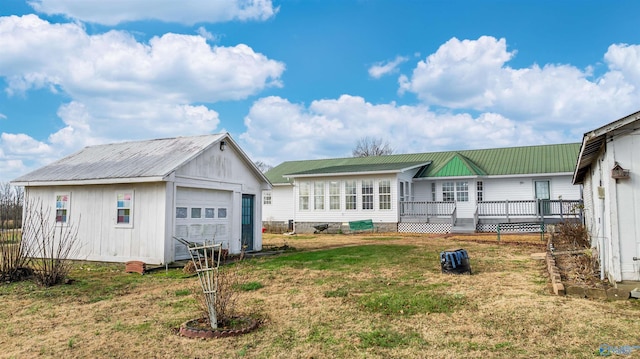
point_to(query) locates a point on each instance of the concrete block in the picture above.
(596, 293)
(575, 291)
(617, 294)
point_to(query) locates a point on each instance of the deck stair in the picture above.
(463, 225)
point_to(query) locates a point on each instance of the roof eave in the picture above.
(342, 174)
(95, 181)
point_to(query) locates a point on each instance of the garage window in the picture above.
(196, 212)
(124, 208)
(209, 212)
(181, 212)
(222, 213)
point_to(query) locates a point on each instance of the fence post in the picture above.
(498, 232)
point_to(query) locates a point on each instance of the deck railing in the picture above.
(427, 208)
(500, 209)
(531, 208)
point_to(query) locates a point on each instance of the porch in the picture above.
(488, 214)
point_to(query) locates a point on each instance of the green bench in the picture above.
(363, 225)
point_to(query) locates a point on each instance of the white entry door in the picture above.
(202, 215)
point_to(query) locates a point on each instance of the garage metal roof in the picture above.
(137, 161)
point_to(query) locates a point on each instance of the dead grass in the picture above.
(506, 309)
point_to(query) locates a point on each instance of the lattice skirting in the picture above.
(410, 227)
(513, 228)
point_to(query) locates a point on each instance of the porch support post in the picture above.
(506, 209)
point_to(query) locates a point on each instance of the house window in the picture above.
(318, 195)
(334, 195)
(350, 195)
(304, 195)
(479, 191)
(433, 191)
(124, 208)
(266, 197)
(462, 191)
(367, 194)
(62, 207)
(384, 193)
(448, 194)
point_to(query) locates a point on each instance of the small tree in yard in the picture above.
(50, 244)
(15, 258)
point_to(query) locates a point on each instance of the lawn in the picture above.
(332, 296)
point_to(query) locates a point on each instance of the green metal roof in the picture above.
(457, 165)
(361, 168)
(560, 158)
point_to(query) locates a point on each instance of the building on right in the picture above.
(608, 167)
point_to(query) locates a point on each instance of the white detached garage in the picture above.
(128, 200)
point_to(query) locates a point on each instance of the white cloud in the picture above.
(472, 75)
(21, 144)
(278, 130)
(203, 32)
(384, 68)
(176, 68)
(3, 116)
(124, 89)
(187, 12)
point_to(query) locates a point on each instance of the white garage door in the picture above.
(202, 214)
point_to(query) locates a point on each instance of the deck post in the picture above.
(506, 209)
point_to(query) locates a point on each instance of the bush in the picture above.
(50, 244)
(573, 233)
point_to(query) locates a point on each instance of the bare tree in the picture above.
(263, 167)
(15, 256)
(371, 146)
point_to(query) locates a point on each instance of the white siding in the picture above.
(281, 207)
(226, 170)
(613, 206)
(93, 211)
(343, 215)
(523, 188)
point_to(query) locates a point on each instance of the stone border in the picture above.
(578, 291)
(554, 273)
(189, 331)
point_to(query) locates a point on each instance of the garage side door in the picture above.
(202, 214)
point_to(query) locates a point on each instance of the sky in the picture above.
(306, 79)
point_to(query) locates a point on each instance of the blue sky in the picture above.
(296, 79)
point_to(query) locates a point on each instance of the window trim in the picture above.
(301, 196)
(67, 208)
(384, 198)
(351, 195)
(368, 197)
(448, 191)
(318, 198)
(129, 224)
(333, 195)
(462, 187)
(267, 198)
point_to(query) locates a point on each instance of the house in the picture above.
(438, 192)
(128, 200)
(608, 167)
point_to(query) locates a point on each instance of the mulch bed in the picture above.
(577, 263)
